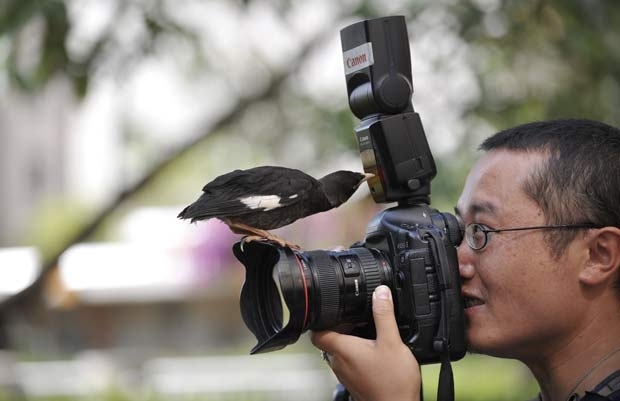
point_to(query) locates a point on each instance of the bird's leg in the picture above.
(256, 234)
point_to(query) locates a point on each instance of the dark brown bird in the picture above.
(263, 198)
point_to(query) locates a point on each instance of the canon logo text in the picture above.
(357, 60)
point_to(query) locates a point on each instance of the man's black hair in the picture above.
(580, 179)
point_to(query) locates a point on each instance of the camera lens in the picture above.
(288, 292)
(342, 284)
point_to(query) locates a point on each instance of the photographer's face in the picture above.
(521, 301)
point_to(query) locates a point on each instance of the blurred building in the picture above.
(155, 312)
(32, 147)
(165, 284)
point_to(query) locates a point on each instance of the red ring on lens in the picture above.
(307, 302)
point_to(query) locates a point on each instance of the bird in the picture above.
(253, 201)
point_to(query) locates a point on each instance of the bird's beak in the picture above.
(367, 176)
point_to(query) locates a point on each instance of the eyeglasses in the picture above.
(477, 235)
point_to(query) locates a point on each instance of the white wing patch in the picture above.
(265, 202)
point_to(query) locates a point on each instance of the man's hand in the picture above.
(373, 370)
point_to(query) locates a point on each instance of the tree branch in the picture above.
(32, 296)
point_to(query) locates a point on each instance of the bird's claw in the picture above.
(277, 240)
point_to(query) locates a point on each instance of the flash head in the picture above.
(377, 66)
(391, 139)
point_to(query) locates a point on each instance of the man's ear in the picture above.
(604, 257)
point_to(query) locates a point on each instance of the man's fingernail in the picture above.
(382, 292)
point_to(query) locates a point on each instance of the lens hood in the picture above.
(261, 301)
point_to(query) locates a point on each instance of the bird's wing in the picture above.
(260, 188)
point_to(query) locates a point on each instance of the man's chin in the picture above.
(488, 350)
(476, 346)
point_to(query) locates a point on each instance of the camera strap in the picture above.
(445, 389)
(441, 342)
(607, 390)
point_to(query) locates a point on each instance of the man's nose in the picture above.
(465, 256)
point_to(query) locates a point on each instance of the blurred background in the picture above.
(115, 113)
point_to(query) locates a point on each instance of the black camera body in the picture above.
(419, 241)
(410, 247)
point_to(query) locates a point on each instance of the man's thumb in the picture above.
(383, 313)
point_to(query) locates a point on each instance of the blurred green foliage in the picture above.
(542, 59)
(38, 32)
(477, 378)
(533, 59)
(483, 378)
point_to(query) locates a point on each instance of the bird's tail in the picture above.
(195, 212)
(187, 213)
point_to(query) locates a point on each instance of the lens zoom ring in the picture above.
(329, 291)
(372, 275)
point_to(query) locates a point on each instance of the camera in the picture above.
(410, 247)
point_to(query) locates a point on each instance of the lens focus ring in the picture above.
(372, 275)
(329, 291)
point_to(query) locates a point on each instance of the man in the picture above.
(539, 267)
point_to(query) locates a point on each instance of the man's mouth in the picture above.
(471, 302)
